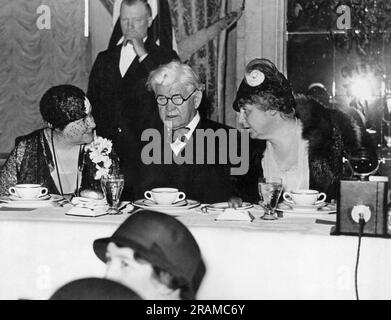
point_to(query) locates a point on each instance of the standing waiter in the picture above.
(118, 76)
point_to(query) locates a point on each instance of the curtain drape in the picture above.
(188, 17)
(33, 60)
(261, 33)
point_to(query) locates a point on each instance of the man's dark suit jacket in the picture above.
(109, 93)
(208, 183)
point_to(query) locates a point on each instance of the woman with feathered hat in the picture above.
(305, 142)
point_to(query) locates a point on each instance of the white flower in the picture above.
(107, 162)
(101, 172)
(95, 156)
(255, 78)
(99, 158)
(99, 150)
(102, 145)
(106, 146)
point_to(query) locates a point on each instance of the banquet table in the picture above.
(294, 257)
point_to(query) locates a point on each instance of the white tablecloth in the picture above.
(292, 258)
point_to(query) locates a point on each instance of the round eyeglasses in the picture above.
(176, 99)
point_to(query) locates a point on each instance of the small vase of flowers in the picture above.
(99, 151)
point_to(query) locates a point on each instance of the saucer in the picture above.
(297, 207)
(173, 210)
(36, 203)
(221, 206)
(151, 203)
(81, 200)
(321, 208)
(15, 198)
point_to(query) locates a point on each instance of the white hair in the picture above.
(174, 72)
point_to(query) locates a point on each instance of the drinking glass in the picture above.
(112, 187)
(270, 192)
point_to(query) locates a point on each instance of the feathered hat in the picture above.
(262, 76)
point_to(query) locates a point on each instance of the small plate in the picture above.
(31, 203)
(323, 208)
(221, 206)
(15, 198)
(80, 200)
(297, 207)
(190, 204)
(154, 204)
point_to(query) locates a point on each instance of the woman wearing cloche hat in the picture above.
(59, 156)
(155, 255)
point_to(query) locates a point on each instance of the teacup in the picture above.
(304, 197)
(29, 191)
(165, 196)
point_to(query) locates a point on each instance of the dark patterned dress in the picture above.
(31, 161)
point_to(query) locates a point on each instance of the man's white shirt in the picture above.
(128, 54)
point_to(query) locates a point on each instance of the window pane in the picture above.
(310, 60)
(355, 76)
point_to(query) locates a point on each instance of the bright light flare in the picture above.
(362, 87)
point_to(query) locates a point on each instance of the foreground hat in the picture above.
(261, 75)
(164, 241)
(94, 289)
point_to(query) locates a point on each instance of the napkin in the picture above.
(232, 214)
(86, 212)
(88, 203)
(88, 207)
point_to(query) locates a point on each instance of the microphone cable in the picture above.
(360, 233)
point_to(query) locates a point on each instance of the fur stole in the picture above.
(331, 135)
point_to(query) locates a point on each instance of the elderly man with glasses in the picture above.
(193, 153)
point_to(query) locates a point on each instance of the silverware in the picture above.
(62, 203)
(125, 205)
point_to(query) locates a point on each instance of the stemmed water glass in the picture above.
(269, 191)
(112, 187)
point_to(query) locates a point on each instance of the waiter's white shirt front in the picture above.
(128, 54)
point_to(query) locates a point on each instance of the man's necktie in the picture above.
(180, 134)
